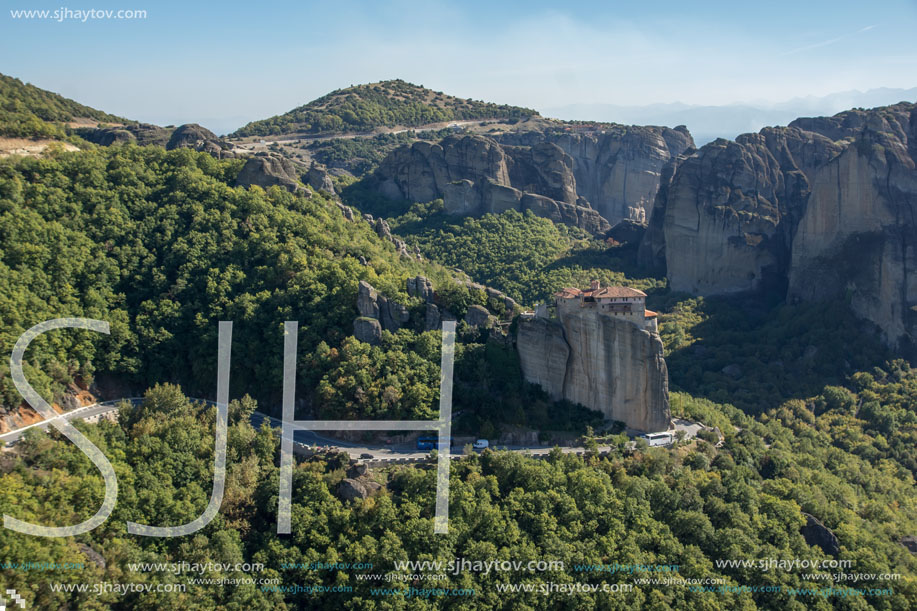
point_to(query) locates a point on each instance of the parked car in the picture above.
(366, 456)
(480, 444)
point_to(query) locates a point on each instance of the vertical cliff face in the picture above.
(600, 361)
(588, 179)
(822, 209)
(858, 238)
(616, 169)
(731, 206)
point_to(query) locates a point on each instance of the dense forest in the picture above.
(384, 104)
(693, 507)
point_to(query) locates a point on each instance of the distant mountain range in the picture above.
(708, 123)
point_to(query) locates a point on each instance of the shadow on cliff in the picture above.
(741, 351)
(621, 259)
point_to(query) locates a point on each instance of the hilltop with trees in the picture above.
(384, 104)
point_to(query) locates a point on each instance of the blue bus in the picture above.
(430, 443)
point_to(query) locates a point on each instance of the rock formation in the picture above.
(858, 237)
(588, 180)
(600, 361)
(138, 133)
(730, 209)
(201, 139)
(267, 170)
(420, 286)
(478, 316)
(358, 484)
(616, 168)
(387, 313)
(367, 330)
(816, 533)
(509, 304)
(319, 178)
(821, 209)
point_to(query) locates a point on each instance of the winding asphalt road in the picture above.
(307, 442)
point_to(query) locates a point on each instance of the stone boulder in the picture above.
(420, 286)
(199, 138)
(367, 330)
(359, 483)
(479, 316)
(816, 533)
(432, 320)
(352, 489)
(910, 543)
(319, 178)
(269, 170)
(367, 300)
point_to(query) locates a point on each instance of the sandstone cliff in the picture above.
(616, 169)
(858, 237)
(730, 209)
(821, 209)
(590, 180)
(600, 361)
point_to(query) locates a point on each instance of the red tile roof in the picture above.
(650, 314)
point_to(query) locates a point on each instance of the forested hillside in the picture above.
(694, 508)
(29, 112)
(160, 245)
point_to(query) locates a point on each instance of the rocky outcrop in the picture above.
(858, 237)
(509, 304)
(600, 361)
(319, 179)
(367, 330)
(359, 483)
(266, 170)
(420, 286)
(382, 229)
(588, 180)
(432, 318)
(910, 543)
(478, 316)
(367, 300)
(352, 489)
(730, 209)
(819, 210)
(138, 133)
(817, 534)
(616, 168)
(372, 305)
(201, 139)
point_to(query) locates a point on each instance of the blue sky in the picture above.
(223, 64)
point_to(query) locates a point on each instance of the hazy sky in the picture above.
(232, 62)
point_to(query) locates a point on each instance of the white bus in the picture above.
(665, 438)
